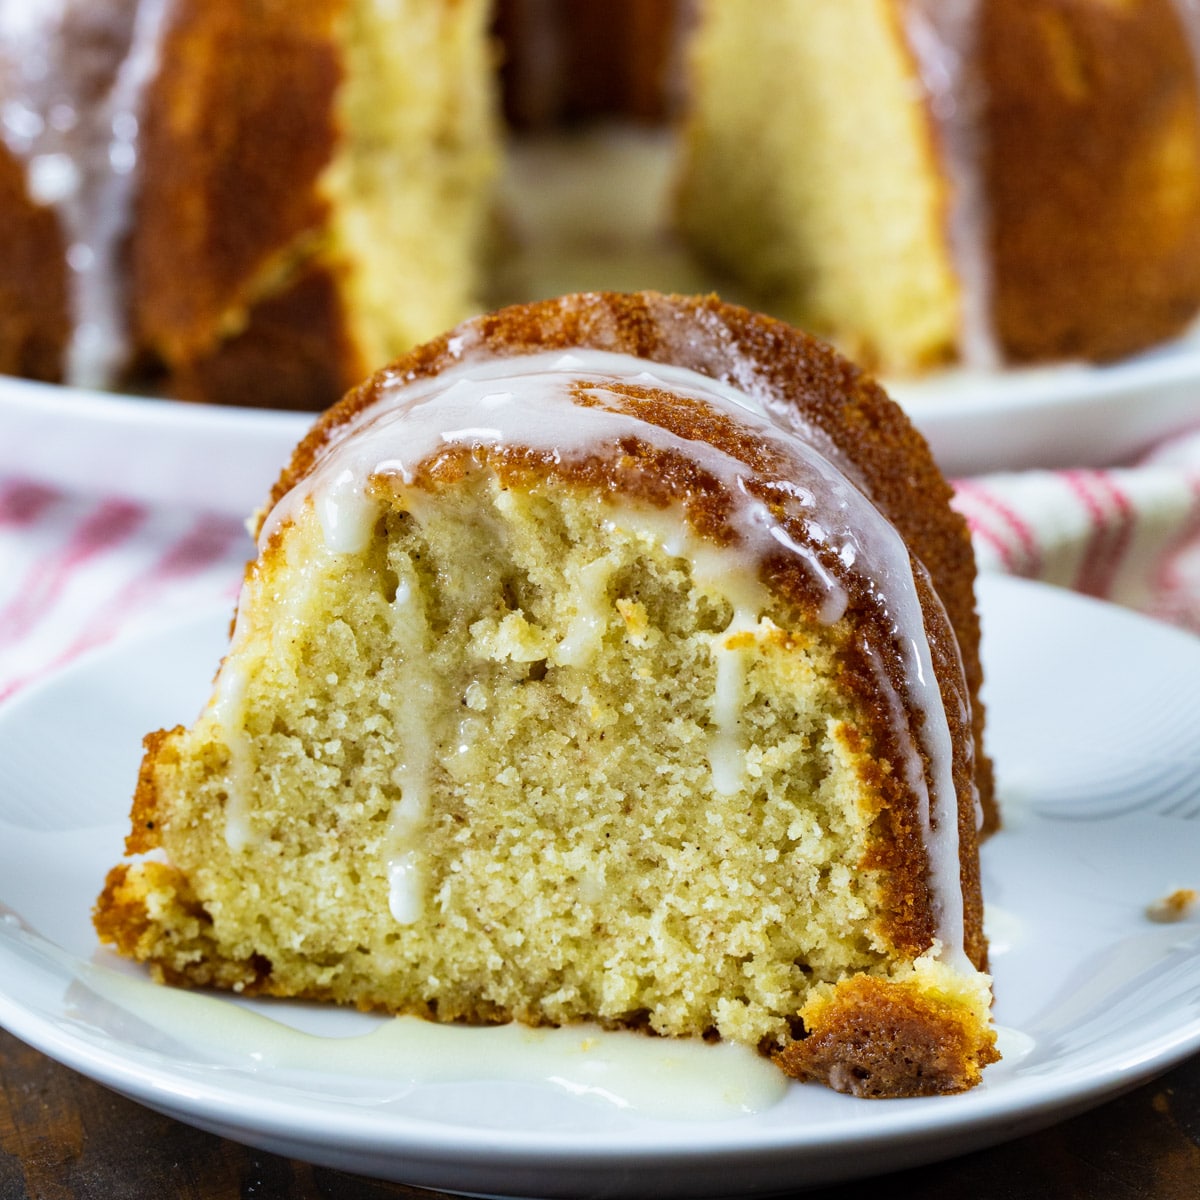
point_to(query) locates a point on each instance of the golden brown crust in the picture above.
(231, 296)
(294, 351)
(145, 833)
(231, 156)
(36, 317)
(872, 1037)
(867, 429)
(1093, 175)
(179, 951)
(120, 916)
(35, 324)
(876, 1038)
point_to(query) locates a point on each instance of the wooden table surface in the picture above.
(62, 1136)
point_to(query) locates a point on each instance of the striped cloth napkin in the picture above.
(1129, 534)
(77, 571)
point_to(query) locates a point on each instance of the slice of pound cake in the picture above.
(614, 659)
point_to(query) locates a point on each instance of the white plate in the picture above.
(1072, 415)
(145, 448)
(226, 459)
(1095, 725)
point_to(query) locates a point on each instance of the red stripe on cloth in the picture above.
(1171, 599)
(1110, 531)
(106, 526)
(1031, 562)
(23, 503)
(1120, 536)
(205, 544)
(977, 529)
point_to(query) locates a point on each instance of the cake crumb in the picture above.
(1174, 907)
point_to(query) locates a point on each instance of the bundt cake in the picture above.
(610, 658)
(262, 201)
(931, 181)
(259, 203)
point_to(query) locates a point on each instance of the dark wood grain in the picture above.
(63, 1137)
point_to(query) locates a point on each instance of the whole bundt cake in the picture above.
(610, 658)
(934, 181)
(257, 202)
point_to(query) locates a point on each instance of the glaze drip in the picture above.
(943, 36)
(73, 76)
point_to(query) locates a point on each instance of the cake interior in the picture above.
(431, 785)
(409, 184)
(825, 196)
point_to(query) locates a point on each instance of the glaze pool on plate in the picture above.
(1092, 997)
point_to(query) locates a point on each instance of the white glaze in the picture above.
(81, 156)
(526, 401)
(943, 37)
(412, 707)
(586, 626)
(727, 745)
(406, 890)
(681, 1079)
(227, 709)
(935, 816)
(732, 575)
